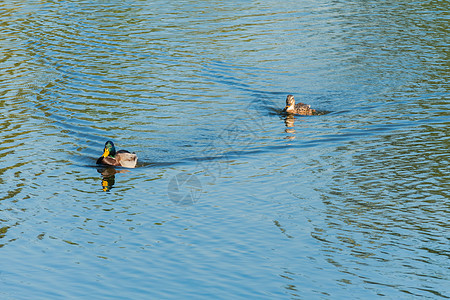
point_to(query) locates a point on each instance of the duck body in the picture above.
(121, 158)
(298, 108)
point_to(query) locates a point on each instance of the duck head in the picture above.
(290, 103)
(110, 149)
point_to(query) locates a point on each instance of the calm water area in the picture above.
(231, 199)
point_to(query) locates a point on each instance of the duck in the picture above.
(299, 108)
(121, 158)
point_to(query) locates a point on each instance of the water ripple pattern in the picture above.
(231, 199)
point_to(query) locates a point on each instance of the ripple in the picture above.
(197, 88)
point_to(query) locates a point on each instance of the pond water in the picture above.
(231, 199)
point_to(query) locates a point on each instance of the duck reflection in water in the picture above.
(109, 177)
(289, 121)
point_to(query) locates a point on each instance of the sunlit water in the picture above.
(231, 199)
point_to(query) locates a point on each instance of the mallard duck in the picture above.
(299, 108)
(122, 158)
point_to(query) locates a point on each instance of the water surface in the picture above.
(231, 199)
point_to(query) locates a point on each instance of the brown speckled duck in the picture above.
(299, 108)
(121, 158)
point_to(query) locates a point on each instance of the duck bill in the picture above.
(106, 152)
(286, 108)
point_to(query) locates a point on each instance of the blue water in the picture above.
(231, 199)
